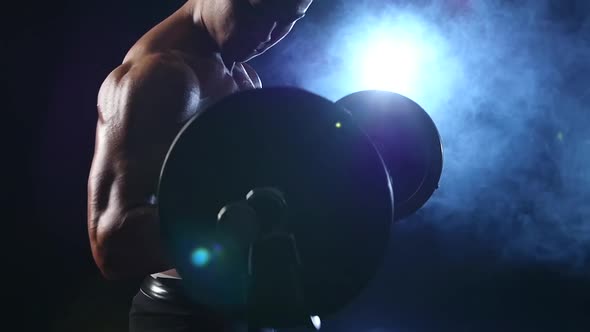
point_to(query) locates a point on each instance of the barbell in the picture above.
(289, 197)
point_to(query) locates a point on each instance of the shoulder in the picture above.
(253, 75)
(161, 68)
(151, 68)
(152, 83)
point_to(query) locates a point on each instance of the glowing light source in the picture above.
(391, 64)
(338, 125)
(200, 257)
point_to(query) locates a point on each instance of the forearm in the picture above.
(132, 248)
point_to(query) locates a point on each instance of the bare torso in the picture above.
(175, 36)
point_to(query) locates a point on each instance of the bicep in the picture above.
(140, 113)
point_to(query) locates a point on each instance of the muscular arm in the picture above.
(142, 105)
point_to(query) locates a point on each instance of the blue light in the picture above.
(392, 64)
(217, 249)
(200, 257)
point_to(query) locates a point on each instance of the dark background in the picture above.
(503, 246)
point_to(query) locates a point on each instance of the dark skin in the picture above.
(196, 55)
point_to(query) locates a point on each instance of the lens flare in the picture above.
(217, 249)
(200, 257)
